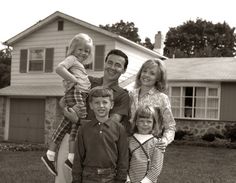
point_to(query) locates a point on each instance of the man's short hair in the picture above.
(119, 53)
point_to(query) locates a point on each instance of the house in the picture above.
(202, 92)
(29, 108)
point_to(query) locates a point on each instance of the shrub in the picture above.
(179, 135)
(230, 132)
(210, 137)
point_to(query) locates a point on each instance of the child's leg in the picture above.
(73, 133)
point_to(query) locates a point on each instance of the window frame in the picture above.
(181, 108)
(29, 60)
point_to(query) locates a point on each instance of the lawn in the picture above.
(182, 164)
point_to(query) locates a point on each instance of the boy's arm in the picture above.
(123, 157)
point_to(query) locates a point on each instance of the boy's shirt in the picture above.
(101, 145)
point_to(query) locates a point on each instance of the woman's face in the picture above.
(149, 76)
(144, 125)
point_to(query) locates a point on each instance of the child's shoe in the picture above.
(68, 164)
(49, 164)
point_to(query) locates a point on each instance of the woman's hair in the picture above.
(161, 83)
(147, 112)
(80, 38)
(100, 91)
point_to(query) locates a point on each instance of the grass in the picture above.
(182, 164)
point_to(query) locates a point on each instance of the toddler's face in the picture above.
(144, 125)
(82, 52)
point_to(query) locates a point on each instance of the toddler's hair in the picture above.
(147, 112)
(77, 39)
(100, 91)
(161, 82)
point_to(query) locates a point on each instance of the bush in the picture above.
(230, 132)
(209, 137)
(179, 135)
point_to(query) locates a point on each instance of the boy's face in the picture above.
(101, 106)
(82, 51)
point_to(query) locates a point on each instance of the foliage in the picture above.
(129, 31)
(125, 29)
(200, 38)
(230, 132)
(5, 67)
(179, 135)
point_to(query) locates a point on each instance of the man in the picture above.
(116, 63)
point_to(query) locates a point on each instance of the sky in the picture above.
(149, 16)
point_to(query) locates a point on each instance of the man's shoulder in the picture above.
(95, 81)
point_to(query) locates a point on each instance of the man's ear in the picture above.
(90, 105)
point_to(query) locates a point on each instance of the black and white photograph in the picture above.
(118, 91)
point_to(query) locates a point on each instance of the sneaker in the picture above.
(49, 164)
(68, 164)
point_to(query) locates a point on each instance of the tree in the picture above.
(148, 43)
(200, 38)
(5, 67)
(125, 29)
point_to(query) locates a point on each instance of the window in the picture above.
(60, 25)
(36, 59)
(200, 102)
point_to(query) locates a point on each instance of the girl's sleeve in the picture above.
(156, 166)
(168, 121)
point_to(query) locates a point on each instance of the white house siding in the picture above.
(49, 37)
(136, 59)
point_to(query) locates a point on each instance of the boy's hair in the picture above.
(147, 112)
(161, 83)
(119, 53)
(100, 91)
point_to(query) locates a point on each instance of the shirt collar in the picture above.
(150, 92)
(95, 122)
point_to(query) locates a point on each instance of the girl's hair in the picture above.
(100, 91)
(147, 112)
(81, 38)
(161, 83)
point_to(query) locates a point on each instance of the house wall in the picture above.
(198, 128)
(228, 101)
(49, 37)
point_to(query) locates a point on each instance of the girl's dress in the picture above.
(146, 159)
(155, 98)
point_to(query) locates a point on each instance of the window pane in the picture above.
(36, 54)
(188, 112)
(36, 65)
(212, 113)
(200, 113)
(200, 102)
(175, 101)
(212, 103)
(200, 91)
(176, 112)
(175, 91)
(213, 92)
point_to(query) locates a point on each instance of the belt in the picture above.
(99, 171)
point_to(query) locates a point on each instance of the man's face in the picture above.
(114, 67)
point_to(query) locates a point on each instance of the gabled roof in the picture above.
(58, 14)
(202, 69)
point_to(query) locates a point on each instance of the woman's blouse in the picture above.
(155, 98)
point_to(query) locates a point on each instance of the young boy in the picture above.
(101, 153)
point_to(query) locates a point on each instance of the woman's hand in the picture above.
(162, 144)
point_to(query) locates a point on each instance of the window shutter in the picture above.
(23, 60)
(99, 57)
(49, 60)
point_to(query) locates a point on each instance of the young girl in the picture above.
(150, 84)
(146, 159)
(77, 86)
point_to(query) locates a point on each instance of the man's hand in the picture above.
(71, 114)
(162, 144)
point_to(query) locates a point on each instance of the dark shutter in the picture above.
(99, 57)
(23, 60)
(49, 60)
(60, 25)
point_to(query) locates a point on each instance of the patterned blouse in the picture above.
(146, 160)
(154, 98)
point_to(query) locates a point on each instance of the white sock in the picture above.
(71, 157)
(51, 155)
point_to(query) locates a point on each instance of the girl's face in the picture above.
(144, 125)
(149, 76)
(82, 51)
